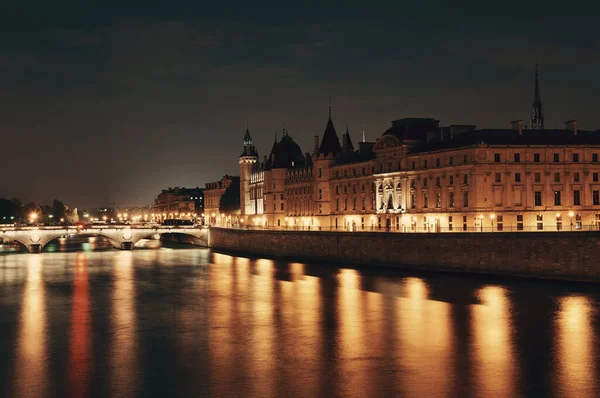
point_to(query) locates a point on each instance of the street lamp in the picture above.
(492, 216)
(558, 221)
(33, 217)
(481, 222)
(571, 219)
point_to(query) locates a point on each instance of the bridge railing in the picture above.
(97, 227)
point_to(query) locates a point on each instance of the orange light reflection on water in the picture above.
(123, 348)
(575, 348)
(495, 365)
(31, 371)
(425, 342)
(80, 358)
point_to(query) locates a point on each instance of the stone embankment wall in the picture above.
(570, 255)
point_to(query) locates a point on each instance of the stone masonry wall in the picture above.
(572, 255)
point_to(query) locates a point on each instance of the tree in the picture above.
(72, 217)
(59, 210)
(30, 209)
(230, 201)
(8, 209)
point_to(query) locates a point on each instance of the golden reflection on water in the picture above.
(31, 371)
(362, 336)
(494, 361)
(425, 342)
(124, 348)
(263, 333)
(80, 357)
(576, 351)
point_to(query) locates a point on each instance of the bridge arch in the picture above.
(34, 239)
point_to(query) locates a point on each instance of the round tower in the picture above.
(247, 160)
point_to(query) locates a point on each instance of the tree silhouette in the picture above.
(230, 201)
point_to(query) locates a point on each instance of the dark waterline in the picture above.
(195, 323)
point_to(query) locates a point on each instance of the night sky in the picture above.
(115, 104)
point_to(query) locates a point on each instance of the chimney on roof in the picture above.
(517, 125)
(571, 126)
(316, 143)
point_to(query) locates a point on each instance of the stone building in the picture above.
(178, 203)
(422, 177)
(215, 211)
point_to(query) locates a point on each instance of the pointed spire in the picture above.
(363, 133)
(249, 149)
(537, 115)
(330, 142)
(347, 146)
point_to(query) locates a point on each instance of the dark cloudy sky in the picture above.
(114, 104)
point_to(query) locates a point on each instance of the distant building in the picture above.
(222, 201)
(135, 214)
(178, 203)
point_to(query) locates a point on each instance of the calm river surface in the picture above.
(191, 322)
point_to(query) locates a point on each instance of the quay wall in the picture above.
(563, 255)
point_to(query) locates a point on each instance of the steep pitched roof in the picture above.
(330, 142)
(249, 148)
(347, 142)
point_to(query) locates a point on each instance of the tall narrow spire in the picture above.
(537, 115)
(363, 132)
(329, 107)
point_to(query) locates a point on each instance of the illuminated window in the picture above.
(519, 222)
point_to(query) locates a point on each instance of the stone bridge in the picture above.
(121, 236)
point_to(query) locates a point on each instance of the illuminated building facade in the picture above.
(214, 211)
(421, 177)
(178, 203)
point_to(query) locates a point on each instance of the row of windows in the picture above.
(537, 196)
(537, 157)
(538, 177)
(363, 172)
(363, 204)
(413, 183)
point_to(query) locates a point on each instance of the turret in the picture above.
(247, 160)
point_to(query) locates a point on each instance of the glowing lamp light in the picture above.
(492, 216)
(571, 214)
(557, 215)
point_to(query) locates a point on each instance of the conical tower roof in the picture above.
(347, 145)
(249, 149)
(330, 142)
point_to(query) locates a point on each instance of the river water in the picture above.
(191, 322)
